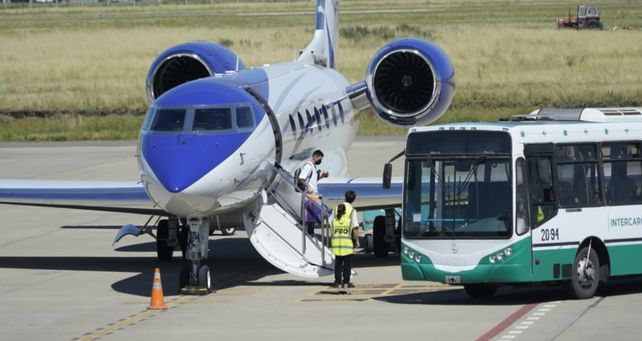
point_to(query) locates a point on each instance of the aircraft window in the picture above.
(292, 126)
(212, 119)
(301, 124)
(244, 117)
(307, 113)
(325, 115)
(169, 120)
(317, 116)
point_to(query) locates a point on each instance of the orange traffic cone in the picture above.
(157, 301)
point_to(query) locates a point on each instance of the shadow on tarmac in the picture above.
(509, 295)
(233, 262)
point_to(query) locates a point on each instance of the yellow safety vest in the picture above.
(342, 233)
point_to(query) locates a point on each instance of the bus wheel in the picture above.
(585, 276)
(480, 290)
(379, 237)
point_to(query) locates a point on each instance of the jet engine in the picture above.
(187, 62)
(410, 81)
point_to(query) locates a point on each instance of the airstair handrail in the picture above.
(273, 192)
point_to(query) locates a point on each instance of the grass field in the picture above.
(83, 68)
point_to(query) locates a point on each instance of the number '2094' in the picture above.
(550, 234)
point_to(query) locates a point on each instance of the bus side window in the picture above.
(540, 188)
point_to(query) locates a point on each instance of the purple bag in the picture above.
(312, 210)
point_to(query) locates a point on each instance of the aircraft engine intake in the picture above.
(187, 62)
(409, 82)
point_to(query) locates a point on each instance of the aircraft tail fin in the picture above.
(322, 49)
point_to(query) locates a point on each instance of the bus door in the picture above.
(540, 194)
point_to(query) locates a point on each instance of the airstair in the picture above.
(278, 232)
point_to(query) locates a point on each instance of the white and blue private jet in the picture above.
(218, 136)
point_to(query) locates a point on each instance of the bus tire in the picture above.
(585, 275)
(378, 237)
(480, 290)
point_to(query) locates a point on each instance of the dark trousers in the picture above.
(342, 266)
(310, 228)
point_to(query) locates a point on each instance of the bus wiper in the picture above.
(463, 185)
(471, 172)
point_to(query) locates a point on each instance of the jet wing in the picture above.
(111, 196)
(369, 190)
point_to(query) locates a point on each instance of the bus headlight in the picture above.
(411, 255)
(500, 256)
(492, 259)
(405, 250)
(508, 251)
(417, 258)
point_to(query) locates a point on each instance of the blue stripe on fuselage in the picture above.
(75, 194)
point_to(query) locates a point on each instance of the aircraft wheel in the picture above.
(228, 231)
(378, 236)
(163, 250)
(183, 277)
(204, 278)
(585, 276)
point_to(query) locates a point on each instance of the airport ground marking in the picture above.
(132, 319)
(369, 291)
(507, 322)
(530, 320)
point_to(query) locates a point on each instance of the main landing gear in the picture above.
(194, 278)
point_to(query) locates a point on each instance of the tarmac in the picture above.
(61, 278)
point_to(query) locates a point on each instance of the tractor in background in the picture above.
(587, 17)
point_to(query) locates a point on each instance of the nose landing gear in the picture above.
(195, 278)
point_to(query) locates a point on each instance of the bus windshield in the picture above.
(458, 197)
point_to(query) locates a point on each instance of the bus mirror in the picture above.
(387, 175)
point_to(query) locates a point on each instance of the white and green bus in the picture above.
(553, 196)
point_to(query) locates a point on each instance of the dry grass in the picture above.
(94, 60)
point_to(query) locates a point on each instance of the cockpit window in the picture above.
(244, 117)
(212, 119)
(169, 120)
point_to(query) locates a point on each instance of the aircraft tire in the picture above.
(163, 250)
(183, 277)
(228, 231)
(204, 278)
(378, 236)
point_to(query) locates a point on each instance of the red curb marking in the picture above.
(507, 322)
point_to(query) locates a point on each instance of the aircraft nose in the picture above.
(178, 161)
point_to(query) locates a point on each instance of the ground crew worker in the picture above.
(343, 222)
